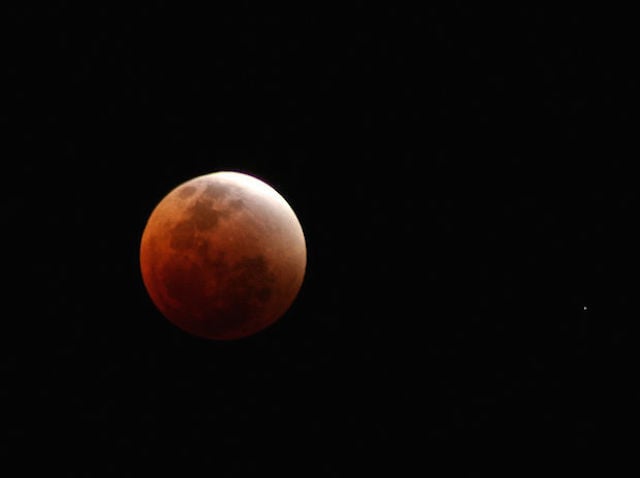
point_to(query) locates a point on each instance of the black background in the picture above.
(464, 179)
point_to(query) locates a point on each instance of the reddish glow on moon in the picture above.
(223, 256)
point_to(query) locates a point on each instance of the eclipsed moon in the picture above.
(223, 255)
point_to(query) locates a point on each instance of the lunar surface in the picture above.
(223, 256)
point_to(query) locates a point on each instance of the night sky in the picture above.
(464, 180)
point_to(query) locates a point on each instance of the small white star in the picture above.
(584, 308)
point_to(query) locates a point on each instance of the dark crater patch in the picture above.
(204, 216)
(236, 204)
(212, 206)
(186, 192)
(217, 191)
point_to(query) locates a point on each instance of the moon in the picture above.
(223, 255)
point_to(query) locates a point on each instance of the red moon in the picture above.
(223, 256)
